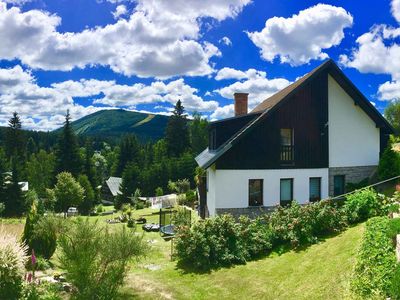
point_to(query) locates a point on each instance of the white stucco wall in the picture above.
(211, 186)
(353, 136)
(230, 188)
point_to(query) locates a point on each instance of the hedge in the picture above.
(376, 261)
(223, 241)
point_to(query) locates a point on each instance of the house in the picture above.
(23, 184)
(111, 189)
(304, 143)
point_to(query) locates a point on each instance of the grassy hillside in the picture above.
(114, 123)
(321, 271)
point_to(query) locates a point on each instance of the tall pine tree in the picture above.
(15, 144)
(177, 133)
(130, 181)
(68, 157)
(128, 153)
(14, 198)
(89, 167)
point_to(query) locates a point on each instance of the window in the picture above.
(286, 191)
(256, 192)
(315, 189)
(287, 142)
(338, 185)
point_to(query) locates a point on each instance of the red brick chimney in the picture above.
(241, 101)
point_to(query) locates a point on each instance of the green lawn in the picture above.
(321, 271)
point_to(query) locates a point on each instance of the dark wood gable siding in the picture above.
(307, 113)
(226, 128)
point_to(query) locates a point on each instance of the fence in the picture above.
(169, 216)
(379, 186)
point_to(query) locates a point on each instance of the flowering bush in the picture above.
(222, 241)
(13, 256)
(256, 236)
(210, 243)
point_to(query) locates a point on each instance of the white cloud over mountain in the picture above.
(43, 108)
(155, 41)
(300, 38)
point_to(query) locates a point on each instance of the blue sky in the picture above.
(144, 55)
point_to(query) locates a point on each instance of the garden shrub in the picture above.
(181, 217)
(42, 291)
(394, 228)
(326, 218)
(395, 284)
(41, 264)
(31, 220)
(389, 164)
(362, 205)
(376, 260)
(43, 238)
(255, 236)
(95, 259)
(13, 256)
(192, 246)
(210, 243)
(222, 241)
(292, 224)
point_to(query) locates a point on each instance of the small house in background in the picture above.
(111, 189)
(23, 184)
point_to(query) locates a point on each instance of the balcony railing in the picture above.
(287, 154)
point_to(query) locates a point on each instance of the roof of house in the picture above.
(113, 184)
(208, 157)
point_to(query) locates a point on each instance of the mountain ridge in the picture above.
(117, 122)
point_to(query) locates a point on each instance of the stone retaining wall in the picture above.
(352, 174)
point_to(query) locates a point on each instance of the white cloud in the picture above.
(389, 90)
(377, 52)
(396, 9)
(256, 84)
(302, 37)
(159, 39)
(17, 2)
(223, 112)
(120, 11)
(158, 91)
(230, 73)
(226, 41)
(41, 108)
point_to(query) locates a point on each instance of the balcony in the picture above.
(287, 155)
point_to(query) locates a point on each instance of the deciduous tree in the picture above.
(68, 192)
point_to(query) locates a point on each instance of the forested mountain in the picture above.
(115, 123)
